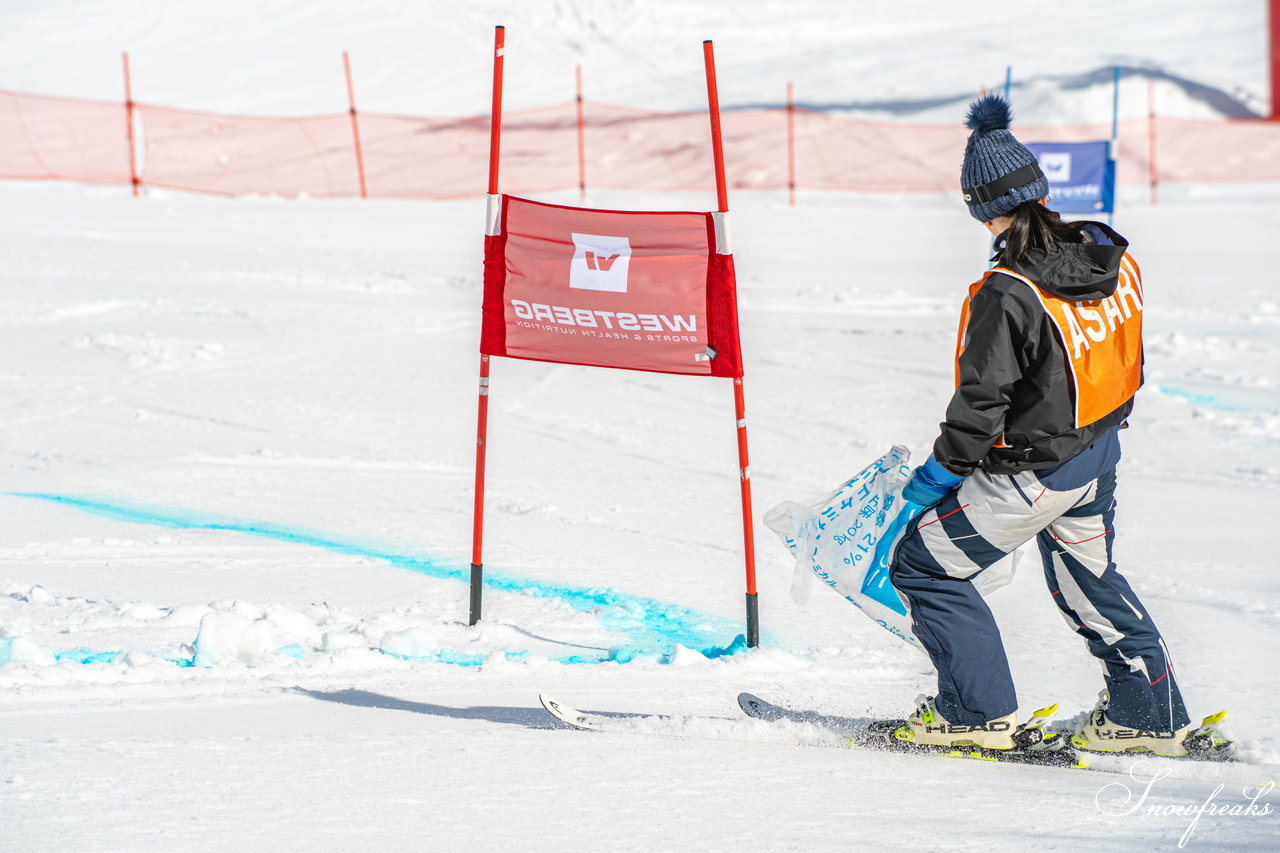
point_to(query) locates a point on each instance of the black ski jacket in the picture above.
(1014, 405)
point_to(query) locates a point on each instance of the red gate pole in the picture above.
(355, 124)
(748, 535)
(495, 120)
(1274, 26)
(128, 117)
(482, 417)
(791, 143)
(722, 197)
(477, 530)
(582, 141)
(713, 108)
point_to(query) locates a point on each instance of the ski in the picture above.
(1206, 743)
(573, 717)
(1036, 745)
(760, 709)
(660, 725)
(849, 732)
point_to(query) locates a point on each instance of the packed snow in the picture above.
(239, 437)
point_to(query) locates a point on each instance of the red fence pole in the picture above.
(744, 468)
(1274, 59)
(582, 140)
(1274, 27)
(355, 124)
(128, 118)
(1152, 174)
(791, 143)
(482, 416)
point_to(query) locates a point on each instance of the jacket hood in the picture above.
(1079, 272)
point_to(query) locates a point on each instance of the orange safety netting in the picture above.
(240, 155)
(65, 139)
(426, 157)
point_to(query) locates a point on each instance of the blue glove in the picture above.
(930, 483)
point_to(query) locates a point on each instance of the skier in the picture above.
(1049, 355)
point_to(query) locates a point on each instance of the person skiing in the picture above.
(1048, 358)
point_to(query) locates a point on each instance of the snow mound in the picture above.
(409, 643)
(231, 635)
(13, 649)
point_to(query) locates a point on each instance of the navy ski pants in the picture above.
(990, 516)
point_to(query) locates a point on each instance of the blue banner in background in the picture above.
(1082, 175)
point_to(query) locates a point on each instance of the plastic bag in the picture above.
(847, 538)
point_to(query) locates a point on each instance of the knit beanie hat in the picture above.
(999, 172)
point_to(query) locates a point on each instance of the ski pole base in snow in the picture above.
(753, 621)
(477, 586)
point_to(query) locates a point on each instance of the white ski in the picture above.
(572, 716)
(848, 733)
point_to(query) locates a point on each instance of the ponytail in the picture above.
(1035, 228)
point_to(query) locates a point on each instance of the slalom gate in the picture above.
(644, 291)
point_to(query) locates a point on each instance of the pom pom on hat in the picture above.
(988, 113)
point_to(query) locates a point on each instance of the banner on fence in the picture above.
(1081, 175)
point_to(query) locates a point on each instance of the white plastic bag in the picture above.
(847, 538)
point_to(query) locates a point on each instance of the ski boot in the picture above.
(1098, 733)
(1002, 739)
(927, 727)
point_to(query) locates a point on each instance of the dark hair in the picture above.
(1036, 227)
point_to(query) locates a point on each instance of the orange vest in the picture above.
(1101, 339)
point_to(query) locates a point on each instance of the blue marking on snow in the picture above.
(293, 650)
(453, 657)
(653, 627)
(1213, 401)
(84, 656)
(80, 655)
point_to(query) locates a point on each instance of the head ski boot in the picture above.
(927, 727)
(1098, 733)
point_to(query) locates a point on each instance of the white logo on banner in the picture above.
(1056, 166)
(600, 263)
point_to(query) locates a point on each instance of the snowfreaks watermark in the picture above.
(1119, 799)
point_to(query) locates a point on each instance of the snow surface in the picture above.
(239, 436)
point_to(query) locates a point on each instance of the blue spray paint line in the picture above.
(66, 656)
(84, 656)
(653, 627)
(450, 657)
(1213, 401)
(453, 657)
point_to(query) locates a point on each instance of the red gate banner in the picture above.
(607, 288)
